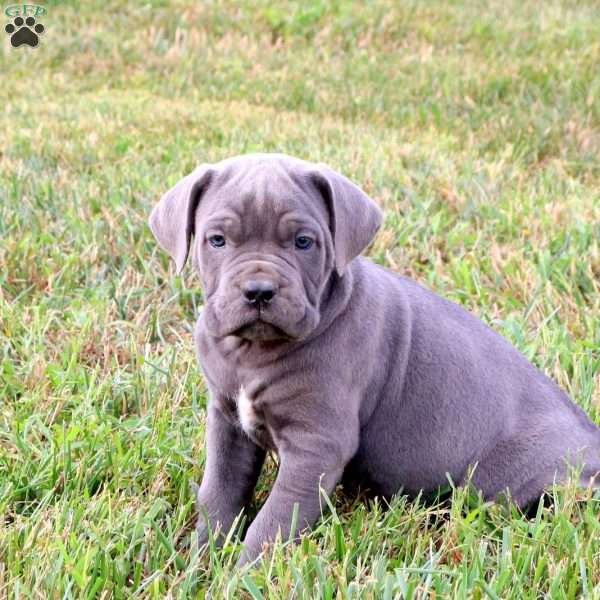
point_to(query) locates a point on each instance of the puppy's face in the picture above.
(271, 232)
(264, 251)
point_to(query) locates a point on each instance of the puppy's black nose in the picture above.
(257, 292)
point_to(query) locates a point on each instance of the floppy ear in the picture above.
(355, 218)
(172, 220)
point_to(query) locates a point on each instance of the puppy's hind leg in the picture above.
(585, 471)
(591, 477)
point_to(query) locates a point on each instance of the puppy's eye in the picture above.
(216, 241)
(303, 242)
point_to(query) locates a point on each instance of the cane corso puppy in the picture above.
(350, 372)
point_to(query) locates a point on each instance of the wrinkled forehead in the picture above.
(261, 195)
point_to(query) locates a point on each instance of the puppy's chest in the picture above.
(251, 418)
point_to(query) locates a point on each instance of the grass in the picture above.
(476, 128)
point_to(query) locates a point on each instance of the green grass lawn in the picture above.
(475, 125)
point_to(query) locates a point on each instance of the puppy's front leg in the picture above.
(233, 464)
(314, 464)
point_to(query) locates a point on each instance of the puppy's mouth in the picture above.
(262, 331)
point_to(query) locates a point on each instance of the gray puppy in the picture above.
(350, 372)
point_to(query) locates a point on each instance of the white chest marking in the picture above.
(246, 413)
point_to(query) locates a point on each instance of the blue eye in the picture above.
(216, 241)
(303, 242)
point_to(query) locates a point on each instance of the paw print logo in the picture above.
(24, 31)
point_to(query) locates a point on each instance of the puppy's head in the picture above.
(270, 231)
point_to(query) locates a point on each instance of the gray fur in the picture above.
(355, 373)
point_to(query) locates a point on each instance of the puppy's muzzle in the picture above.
(259, 293)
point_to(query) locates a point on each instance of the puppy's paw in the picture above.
(203, 532)
(252, 556)
(219, 526)
(246, 560)
(216, 515)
